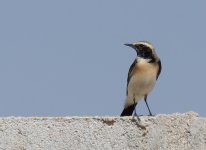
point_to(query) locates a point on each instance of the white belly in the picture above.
(141, 83)
(139, 86)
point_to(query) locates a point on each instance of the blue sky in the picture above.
(63, 58)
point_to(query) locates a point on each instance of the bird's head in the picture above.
(145, 50)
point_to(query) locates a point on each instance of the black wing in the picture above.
(130, 73)
(160, 68)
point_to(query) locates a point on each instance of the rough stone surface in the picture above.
(161, 132)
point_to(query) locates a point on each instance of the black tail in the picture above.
(128, 110)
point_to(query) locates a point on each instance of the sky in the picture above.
(67, 58)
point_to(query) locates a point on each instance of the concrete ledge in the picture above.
(175, 131)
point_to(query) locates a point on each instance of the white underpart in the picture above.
(142, 83)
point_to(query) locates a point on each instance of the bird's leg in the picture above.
(145, 99)
(137, 121)
(135, 113)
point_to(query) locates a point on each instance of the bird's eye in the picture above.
(141, 46)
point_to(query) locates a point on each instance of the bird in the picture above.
(142, 76)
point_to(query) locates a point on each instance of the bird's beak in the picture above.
(133, 46)
(130, 45)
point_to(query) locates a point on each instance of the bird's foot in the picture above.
(136, 116)
(138, 122)
(151, 115)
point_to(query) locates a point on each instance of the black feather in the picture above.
(160, 68)
(128, 110)
(130, 73)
